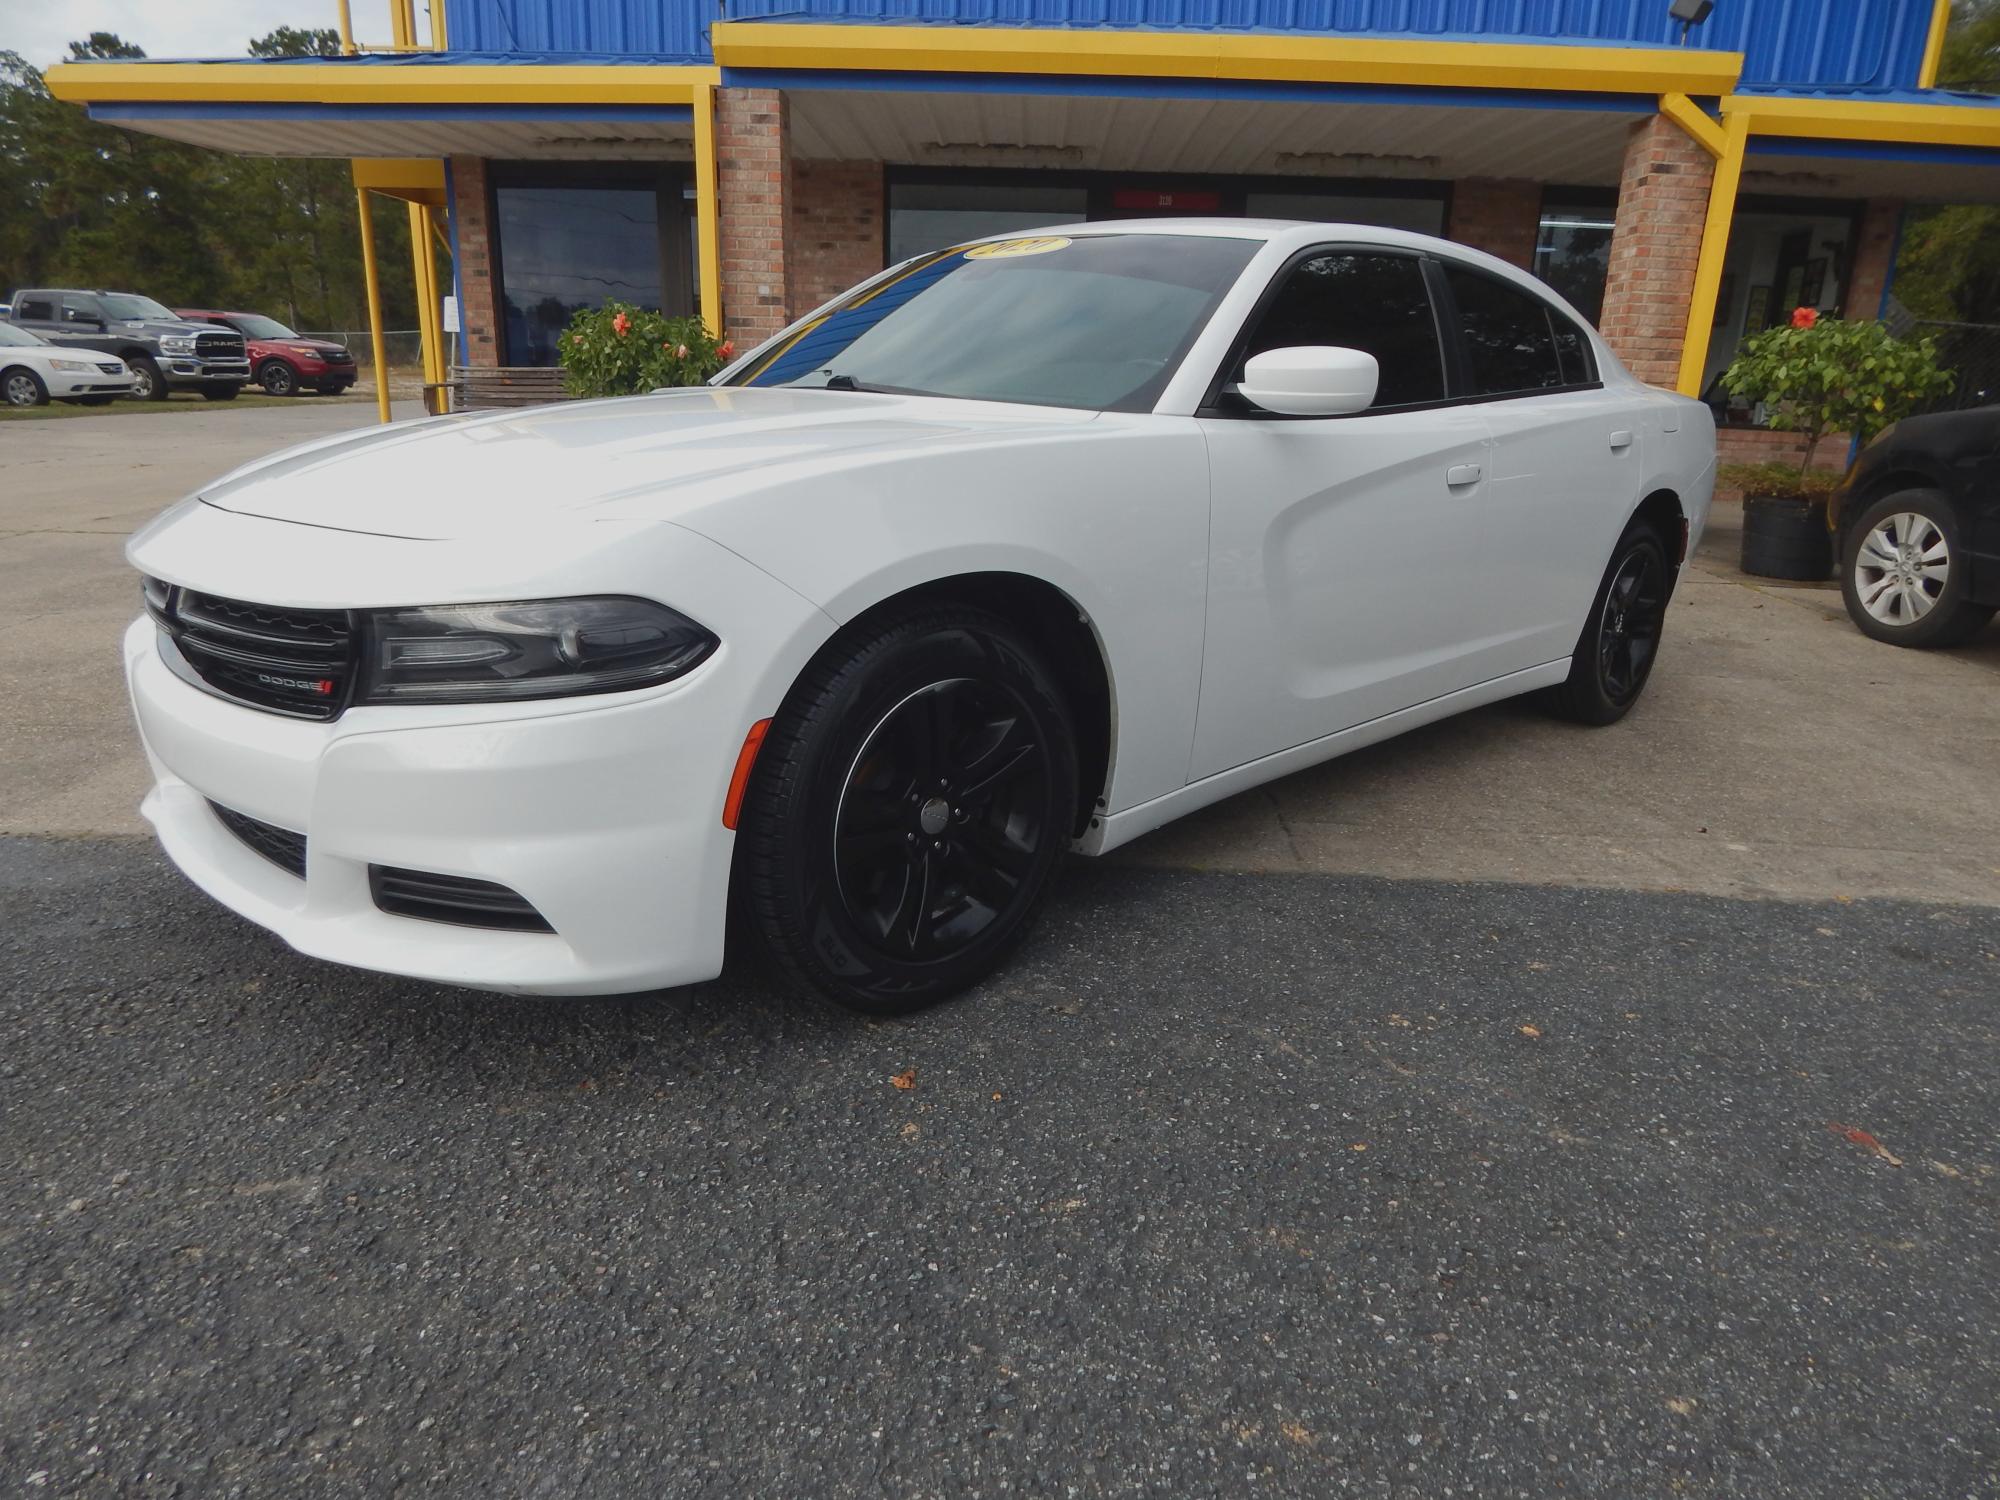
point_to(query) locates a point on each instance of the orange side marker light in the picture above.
(739, 780)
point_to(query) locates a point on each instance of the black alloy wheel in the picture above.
(941, 818)
(277, 378)
(1621, 638)
(907, 810)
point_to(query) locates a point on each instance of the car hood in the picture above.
(153, 328)
(656, 457)
(80, 351)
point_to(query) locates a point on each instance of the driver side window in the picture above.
(85, 310)
(1356, 300)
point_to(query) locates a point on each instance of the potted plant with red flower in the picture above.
(621, 350)
(1817, 376)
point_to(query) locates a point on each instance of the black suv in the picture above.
(1917, 522)
(166, 353)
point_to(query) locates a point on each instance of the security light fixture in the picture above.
(1690, 13)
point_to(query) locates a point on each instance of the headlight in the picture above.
(549, 648)
(177, 343)
(78, 365)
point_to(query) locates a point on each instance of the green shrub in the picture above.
(1779, 480)
(1821, 375)
(620, 350)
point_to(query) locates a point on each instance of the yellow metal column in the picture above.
(423, 265)
(346, 30)
(707, 227)
(372, 276)
(1714, 250)
(1927, 71)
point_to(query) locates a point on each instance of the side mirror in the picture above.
(1311, 380)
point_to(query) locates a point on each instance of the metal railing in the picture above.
(404, 34)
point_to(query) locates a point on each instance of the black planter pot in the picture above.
(1786, 537)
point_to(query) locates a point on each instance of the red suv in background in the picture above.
(281, 361)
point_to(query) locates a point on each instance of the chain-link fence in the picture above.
(1971, 351)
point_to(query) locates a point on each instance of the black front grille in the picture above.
(282, 847)
(285, 661)
(453, 898)
(218, 346)
(337, 356)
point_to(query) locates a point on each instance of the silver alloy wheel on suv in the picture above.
(1902, 568)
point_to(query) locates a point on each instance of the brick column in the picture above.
(1662, 201)
(836, 228)
(478, 298)
(753, 180)
(1502, 216)
(1874, 259)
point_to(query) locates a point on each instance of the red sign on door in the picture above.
(1176, 201)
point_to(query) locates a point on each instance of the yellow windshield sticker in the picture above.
(1000, 249)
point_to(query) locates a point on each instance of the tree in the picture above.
(87, 204)
(1949, 265)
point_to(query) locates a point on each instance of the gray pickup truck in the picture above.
(166, 353)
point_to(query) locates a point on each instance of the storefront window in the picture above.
(1781, 257)
(1573, 251)
(927, 216)
(1420, 215)
(564, 246)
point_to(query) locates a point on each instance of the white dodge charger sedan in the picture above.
(1026, 546)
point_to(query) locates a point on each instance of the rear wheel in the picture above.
(277, 378)
(21, 387)
(220, 392)
(1903, 574)
(907, 810)
(147, 382)
(1621, 639)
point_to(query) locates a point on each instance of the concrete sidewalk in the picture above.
(1778, 751)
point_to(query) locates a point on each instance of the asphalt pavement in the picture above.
(1233, 1185)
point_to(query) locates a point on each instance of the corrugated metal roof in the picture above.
(1805, 42)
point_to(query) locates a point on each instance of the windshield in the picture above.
(257, 326)
(127, 306)
(16, 336)
(1097, 322)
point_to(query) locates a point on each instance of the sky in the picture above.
(41, 30)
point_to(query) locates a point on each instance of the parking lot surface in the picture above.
(1506, 1110)
(1235, 1185)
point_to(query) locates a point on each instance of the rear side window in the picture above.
(1354, 300)
(1510, 337)
(35, 309)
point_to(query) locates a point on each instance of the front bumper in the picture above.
(182, 371)
(606, 818)
(64, 384)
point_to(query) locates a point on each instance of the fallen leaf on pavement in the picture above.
(904, 1080)
(1531, 1031)
(1856, 1136)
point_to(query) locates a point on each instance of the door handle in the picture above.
(1619, 440)
(1459, 474)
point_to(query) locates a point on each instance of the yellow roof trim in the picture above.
(1868, 120)
(364, 83)
(414, 179)
(1264, 57)
(1705, 132)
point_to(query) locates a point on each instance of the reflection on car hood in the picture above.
(655, 456)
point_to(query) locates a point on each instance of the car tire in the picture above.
(277, 379)
(1614, 657)
(220, 392)
(1903, 573)
(22, 387)
(148, 384)
(907, 810)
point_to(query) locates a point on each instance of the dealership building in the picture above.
(1683, 183)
